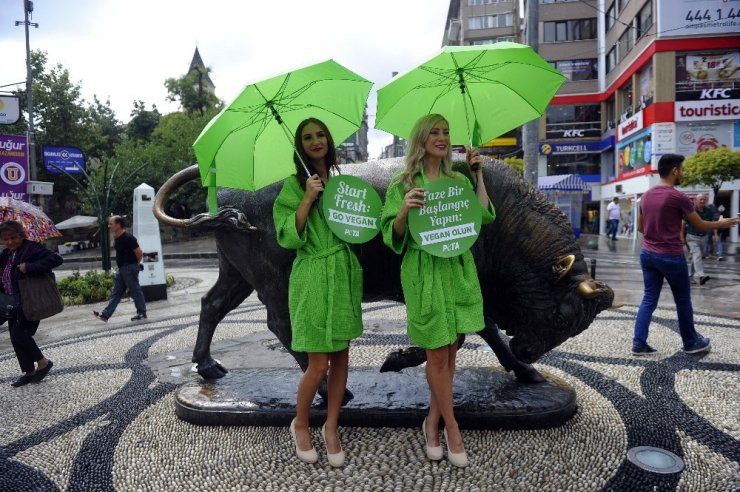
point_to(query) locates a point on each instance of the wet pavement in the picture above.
(104, 417)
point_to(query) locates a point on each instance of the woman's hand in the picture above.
(22, 267)
(314, 186)
(413, 199)
(474, 160)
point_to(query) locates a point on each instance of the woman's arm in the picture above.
(314, 186)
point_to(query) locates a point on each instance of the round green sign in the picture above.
(449, 223)
(351, 208)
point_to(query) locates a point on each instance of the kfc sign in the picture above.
(573, 132)
(728, 109)
(708, 94)
(631, 125)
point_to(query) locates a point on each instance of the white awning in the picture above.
(564, 182)
(78, 221)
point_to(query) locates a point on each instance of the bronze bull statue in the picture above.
(533, 276)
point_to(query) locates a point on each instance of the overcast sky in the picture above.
(124, 50)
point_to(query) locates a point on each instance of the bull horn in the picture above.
(563, 266)
(164, 193)
(616, 305)
(588, 289)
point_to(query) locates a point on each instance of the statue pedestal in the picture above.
(485, 398)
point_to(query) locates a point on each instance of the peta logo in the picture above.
(716, 94)
(572, 133)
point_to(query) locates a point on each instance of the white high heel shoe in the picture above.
(310, 456)
(434, 453)
(457, 459)
(336, 459)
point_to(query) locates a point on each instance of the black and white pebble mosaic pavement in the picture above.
(104, 419)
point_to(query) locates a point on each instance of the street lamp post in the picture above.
(27, 9)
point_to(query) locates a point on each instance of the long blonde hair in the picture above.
(415, 151)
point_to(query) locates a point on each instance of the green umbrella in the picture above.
(249, 144)
(482, 91)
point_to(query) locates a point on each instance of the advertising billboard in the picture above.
(700, 137)
(14, 166)
(697, 17)
(708, 76)
(70, 159)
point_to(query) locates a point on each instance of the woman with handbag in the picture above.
(19, 259)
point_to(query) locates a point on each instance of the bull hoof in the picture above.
(528, 375)
(401, 359)
(324, 394)
(210, 369)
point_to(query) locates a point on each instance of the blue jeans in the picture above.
(612, 225)
(655, 268)
(127, 276)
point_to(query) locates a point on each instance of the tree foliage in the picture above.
(143, 122)
(191, 92)
(515, 162)
(712, 168)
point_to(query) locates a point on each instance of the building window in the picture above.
(491, 21)
(570, 121)
(611, 60)
(560, 164)
(570, 30)
(499, 39)
(610, 19)
(644, 19)
(586, 69)
(626, 93)
(486, 2)
(558, 1)
(624, 45)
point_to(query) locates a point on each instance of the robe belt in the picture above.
(329, 254)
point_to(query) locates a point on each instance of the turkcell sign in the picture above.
(723, 109)
(574, 148)
(69, 159)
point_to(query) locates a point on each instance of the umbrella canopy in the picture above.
(564, 182)
(77, 221)
(35, 222)
(482, 91)
(249, 144)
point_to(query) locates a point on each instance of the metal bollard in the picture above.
(593, 268)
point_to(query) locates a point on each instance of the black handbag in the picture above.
(8, 305)
(40, 298)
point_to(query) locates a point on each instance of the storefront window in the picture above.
(573, 164)
(646, 86)
(569, 120)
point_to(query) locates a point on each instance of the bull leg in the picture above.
(227, 293)
(524, 372)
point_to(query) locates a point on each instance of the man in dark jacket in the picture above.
(19, 259)
(128, 258)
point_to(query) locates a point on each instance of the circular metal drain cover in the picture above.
(655, 460)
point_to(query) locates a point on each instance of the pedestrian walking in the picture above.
(613, 213)
(19, 259)
(128, 259)
(662, 211)
(696, 239)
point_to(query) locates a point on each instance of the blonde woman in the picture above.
(456, 303)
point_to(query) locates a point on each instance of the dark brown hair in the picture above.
(13, 226)
(331, 155)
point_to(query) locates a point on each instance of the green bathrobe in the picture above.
(443, 296)
(325, 291)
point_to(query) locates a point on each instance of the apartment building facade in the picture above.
(645, 78)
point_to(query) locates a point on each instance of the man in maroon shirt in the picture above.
(662, 210)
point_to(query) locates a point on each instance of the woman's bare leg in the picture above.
(440, 383)
(318, 364)
(338, 370)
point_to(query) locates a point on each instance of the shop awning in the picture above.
(78, 221)
(563, 182)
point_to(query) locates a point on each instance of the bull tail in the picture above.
(227, 216)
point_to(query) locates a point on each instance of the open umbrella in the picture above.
(482, 91)
(249, 144)
(35, 222)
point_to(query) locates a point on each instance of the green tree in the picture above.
(191, 92)
(712, 168)
(515, 162)
(143, 122)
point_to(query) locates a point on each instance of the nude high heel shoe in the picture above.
(457, 459)
(336, 459)
(310, 456)
(434, 453)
